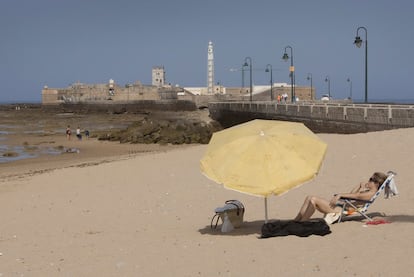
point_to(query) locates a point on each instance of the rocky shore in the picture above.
(181, 130)
(141, 126)
(32, 135)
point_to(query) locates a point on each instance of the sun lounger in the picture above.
(349, 207)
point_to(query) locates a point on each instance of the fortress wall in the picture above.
(95, 93)
(132, 107)
(49, 96)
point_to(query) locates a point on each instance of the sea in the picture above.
(390, 101)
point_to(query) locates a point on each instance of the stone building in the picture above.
(107, 93)
(158, 76)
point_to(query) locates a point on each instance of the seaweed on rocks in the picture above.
(165, 131)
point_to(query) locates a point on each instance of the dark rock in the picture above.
(165, 131)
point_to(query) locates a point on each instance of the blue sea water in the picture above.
(23, 153)
(387, 101)
(19, 150)
(19, 102)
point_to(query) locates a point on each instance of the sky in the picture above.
(56, 43)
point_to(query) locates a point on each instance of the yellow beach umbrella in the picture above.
(263, 157)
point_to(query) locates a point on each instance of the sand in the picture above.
(119, 210)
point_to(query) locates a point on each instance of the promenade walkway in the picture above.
(319, 116)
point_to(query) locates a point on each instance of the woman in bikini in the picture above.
(364, 191)
(68, 132)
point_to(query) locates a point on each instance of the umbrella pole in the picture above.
(265, 202)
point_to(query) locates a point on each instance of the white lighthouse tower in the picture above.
(210, 68)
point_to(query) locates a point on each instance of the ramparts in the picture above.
(117, 108)
(319, 117)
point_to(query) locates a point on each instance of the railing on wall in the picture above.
(352, 117)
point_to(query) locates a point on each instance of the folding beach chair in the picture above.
(349, 208)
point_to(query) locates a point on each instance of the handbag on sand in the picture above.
(231, 215)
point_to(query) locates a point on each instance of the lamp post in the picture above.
(249, 64)
(358, 42)
(309, 77)
(291, 70)
(270, 69)
(242, 70)
(328, 80)
(350, 88)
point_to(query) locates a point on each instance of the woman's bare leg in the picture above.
(311, 204)
(305, 206)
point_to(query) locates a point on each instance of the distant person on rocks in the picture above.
(78, 133)
(68, 132)
(87, 134)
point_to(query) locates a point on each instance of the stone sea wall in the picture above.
(136, 106)
(319, 117)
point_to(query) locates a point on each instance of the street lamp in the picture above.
(327, 79)
(271, 80)
(242, 70)
(350, 88)
(358, 42)
(250, 68)
(291, 70)
(311, 90)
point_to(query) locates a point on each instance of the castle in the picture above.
(112, 92)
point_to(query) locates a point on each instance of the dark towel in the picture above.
(298, 228)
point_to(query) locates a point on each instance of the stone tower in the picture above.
(158, 76)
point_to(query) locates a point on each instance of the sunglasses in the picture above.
(373, 180)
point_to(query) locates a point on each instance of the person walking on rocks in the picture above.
(78, 133)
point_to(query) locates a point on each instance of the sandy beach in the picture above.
(145, 210)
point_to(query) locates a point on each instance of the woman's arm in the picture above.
(365, 195)
(358, 188)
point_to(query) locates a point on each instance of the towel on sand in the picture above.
(297, 228)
